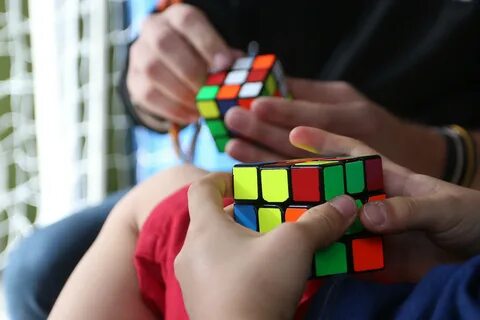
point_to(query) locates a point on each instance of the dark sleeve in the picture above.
(447, 292)
(161, 124)
(219, 12)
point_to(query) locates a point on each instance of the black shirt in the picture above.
(419, 59)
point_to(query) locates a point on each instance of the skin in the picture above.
(277, 262)
(170, 60)
(104, 284)
(439, 223)
(427, 222)
(339, 108)
(169, 63)
(162, 81)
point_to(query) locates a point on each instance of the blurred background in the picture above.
(64, 137)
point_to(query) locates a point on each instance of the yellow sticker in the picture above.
(274, 185)
(269, 219)
(245, 183)
(208, 109)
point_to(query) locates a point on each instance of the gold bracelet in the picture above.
(470, 152)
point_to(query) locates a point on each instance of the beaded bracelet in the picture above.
(461, 157)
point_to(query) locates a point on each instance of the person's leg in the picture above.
(40, 265)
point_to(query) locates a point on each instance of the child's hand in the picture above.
(229, 272)
(448, 215)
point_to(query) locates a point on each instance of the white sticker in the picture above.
(250, 90)
(243, 63)
(236, 77)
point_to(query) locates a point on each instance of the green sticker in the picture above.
(207, 93)
(217, 128)
(355, 177)
(332, 260)
(356, 227)
(221, 143)
(333, 182)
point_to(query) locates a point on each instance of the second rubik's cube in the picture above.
(249, 78)
(269, 194)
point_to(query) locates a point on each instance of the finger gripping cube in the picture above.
(248, 78)
(269, 194)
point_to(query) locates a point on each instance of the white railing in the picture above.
(58, 110)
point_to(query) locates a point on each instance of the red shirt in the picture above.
(159, 242)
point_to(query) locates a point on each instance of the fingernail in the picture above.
(221, 61)
(375, 212)
(344, 205)
(306, 147)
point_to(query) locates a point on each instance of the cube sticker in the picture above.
(248, 78)
(269, 194)
(236, 77)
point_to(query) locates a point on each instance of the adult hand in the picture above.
(169, 62)
(442, 219)
(229, 272)
(336, 107)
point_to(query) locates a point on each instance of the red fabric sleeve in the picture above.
(163, 4)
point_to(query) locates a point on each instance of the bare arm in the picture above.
(104, 284)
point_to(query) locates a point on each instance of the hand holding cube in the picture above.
(249, 78)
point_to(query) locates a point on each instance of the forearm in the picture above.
(417, 147)
(104, 284)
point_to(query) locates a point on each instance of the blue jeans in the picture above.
(39, 266)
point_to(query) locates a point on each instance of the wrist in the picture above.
(150, 120)
(422, 149)
(253, 308)
(220, 313)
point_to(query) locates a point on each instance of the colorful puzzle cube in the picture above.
(249, 78)
(268, 194)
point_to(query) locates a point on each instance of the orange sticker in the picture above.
(265, 61)
(228, 92)
(245, 103)
(367, 254)
(293, 214)
(377, 198)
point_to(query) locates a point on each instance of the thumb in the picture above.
(435, 213)
(322, 225)
(424, 203)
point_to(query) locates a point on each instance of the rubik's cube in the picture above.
(248, 79)
(269, 194)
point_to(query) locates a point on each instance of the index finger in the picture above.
(192, 24)
(325, 143)
(205, 197)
